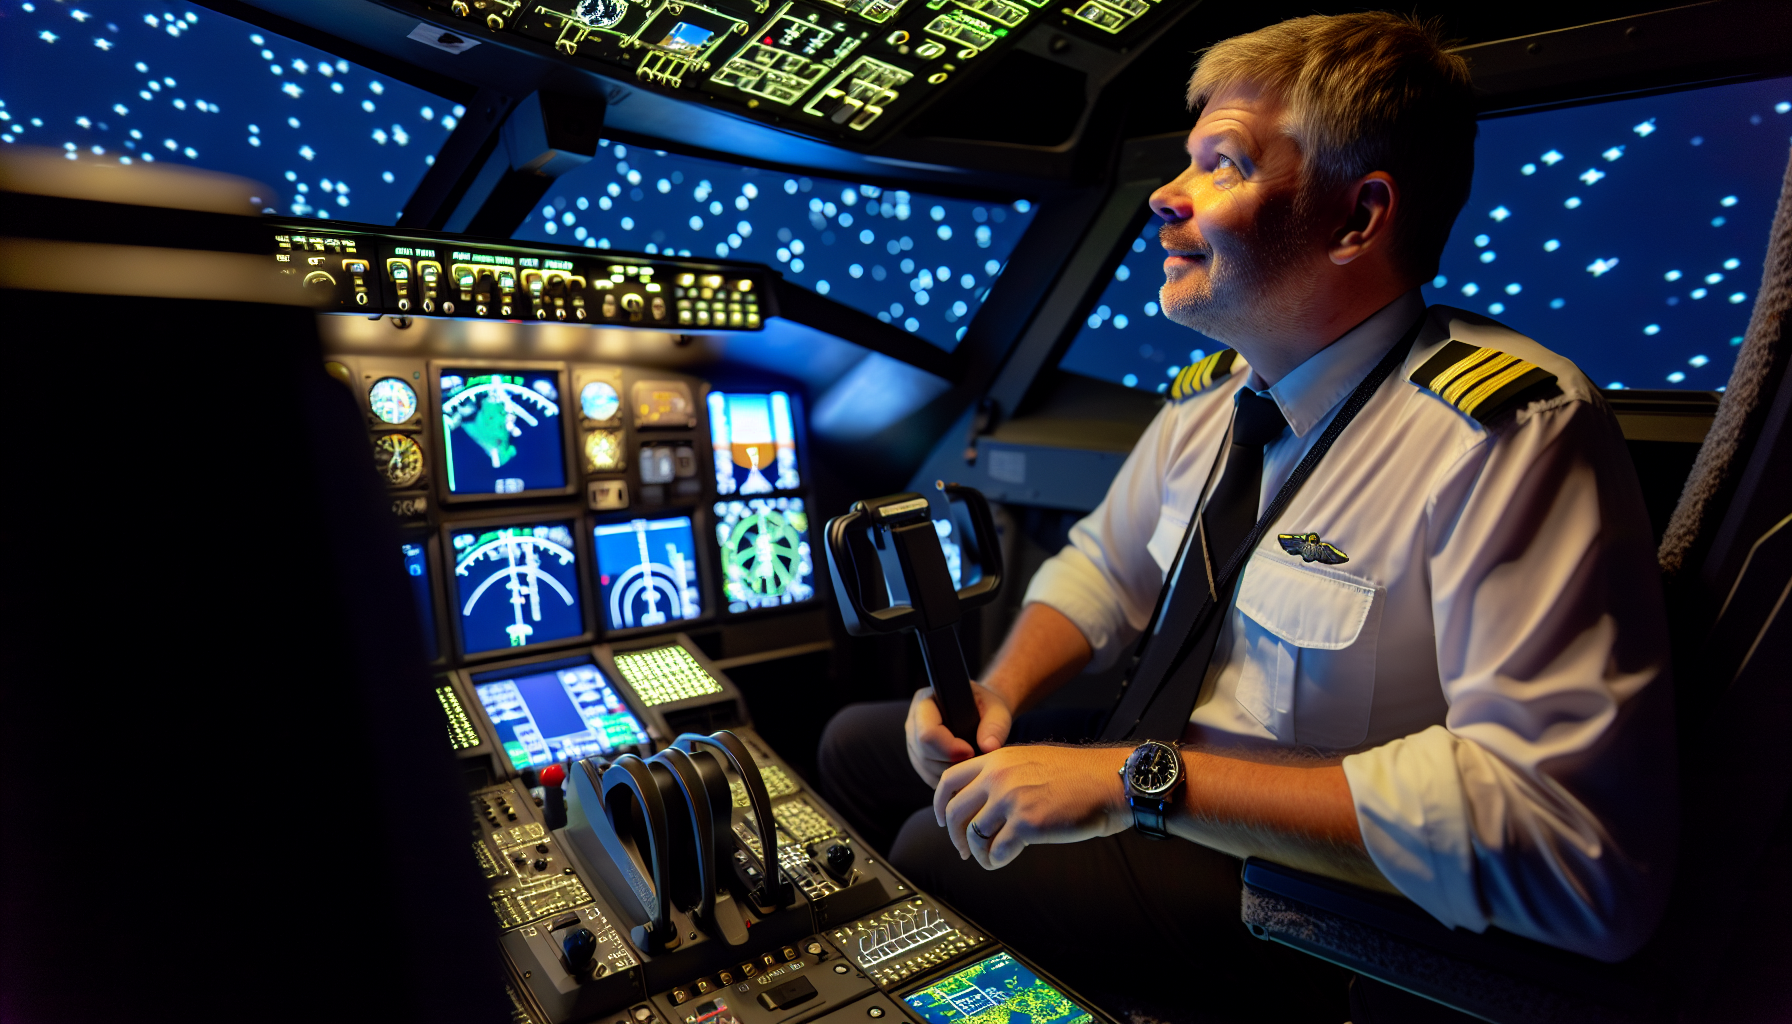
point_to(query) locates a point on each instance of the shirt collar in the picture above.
(1315, 387)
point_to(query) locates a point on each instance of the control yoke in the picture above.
(923, 598)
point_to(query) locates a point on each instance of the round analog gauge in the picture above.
(392, 400)
(398, 458)
(600, 13)
(603, 451)
(599, 400)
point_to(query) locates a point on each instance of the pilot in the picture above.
(1442, 670)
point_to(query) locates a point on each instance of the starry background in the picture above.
(921, 262)
(166, 81)
(1627, 236)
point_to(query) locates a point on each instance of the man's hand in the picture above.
(931, 746)
(1019, 796)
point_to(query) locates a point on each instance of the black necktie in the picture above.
(1189, 623)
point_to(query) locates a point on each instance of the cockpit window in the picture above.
(1627, 236)
(921, 262)
(127, 81)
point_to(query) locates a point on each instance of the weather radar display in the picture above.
(560, 714)
(599, 401)
(755, 443)
(997, 990)
(516, 586)
(647, 571)
(392, 400)
(501, 431)
(764, 544)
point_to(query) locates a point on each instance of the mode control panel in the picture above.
(404, 275)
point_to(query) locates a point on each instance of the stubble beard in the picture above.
(1250, 284)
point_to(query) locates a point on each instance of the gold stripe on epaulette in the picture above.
(1201, 374)
(1483, 382)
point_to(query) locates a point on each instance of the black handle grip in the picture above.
(989, 547)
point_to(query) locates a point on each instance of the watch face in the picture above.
(1153, 768)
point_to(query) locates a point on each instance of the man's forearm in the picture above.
(1043, 651)
(1298, 815)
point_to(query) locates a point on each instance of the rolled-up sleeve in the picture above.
(1105, 579)
(1545, 805)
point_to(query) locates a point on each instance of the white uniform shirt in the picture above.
(1487, 651)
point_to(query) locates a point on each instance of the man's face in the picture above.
(1233, 221)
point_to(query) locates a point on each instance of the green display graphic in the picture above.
(490, 429)
(997, 990)
(765, 552)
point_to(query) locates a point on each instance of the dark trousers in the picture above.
(1135, 925)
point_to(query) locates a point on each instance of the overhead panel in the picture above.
(844, 70)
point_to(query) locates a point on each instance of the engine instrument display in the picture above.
(599, 401)
(755, 442)
(399, 459)
(516, 585)
(647, 571)
(995, 990)
(766, 560)
(392, 400)
(501, 431)
(603, 451)
(559, 714)
(416, 570)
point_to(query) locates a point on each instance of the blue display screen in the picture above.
(921, 262)
(416, 569)
(647, 572)
(1627, 236)
(553, 715)
(168, 81)
(501, 431)
(754, 439)
(516, 586)
(998, 988)
(764, 544)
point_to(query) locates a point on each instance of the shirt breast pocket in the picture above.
(1166, 539)
(1309, 675)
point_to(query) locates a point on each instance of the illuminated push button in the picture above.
(712, 281)
(686, 280)
(707, 293)
(744, 284)
(684, 316)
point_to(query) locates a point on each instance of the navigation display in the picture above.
(416, 568)
(516, 586)
(559, 714)
(647, 572)
(755, 442)
(764, 543)
(501, 431)
(997, 990)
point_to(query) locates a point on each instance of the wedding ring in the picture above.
(979, 832)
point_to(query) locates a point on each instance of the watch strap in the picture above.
(1148, 816)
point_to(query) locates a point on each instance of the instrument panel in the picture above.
(845, 70)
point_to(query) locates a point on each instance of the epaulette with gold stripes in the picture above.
(1202, 374)
(1484, 382)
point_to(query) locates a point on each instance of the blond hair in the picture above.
(1365, 92)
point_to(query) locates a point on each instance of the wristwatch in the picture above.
(1154, 782)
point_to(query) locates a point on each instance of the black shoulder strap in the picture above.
(1147, 708)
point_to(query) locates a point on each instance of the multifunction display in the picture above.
(557, 715)
(754, 441)
(764, 545)
(501, 431)
(516, 586)
(647, 572)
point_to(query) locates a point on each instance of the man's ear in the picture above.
(1374, 201)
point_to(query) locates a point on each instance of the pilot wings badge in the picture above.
(1311, 549)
